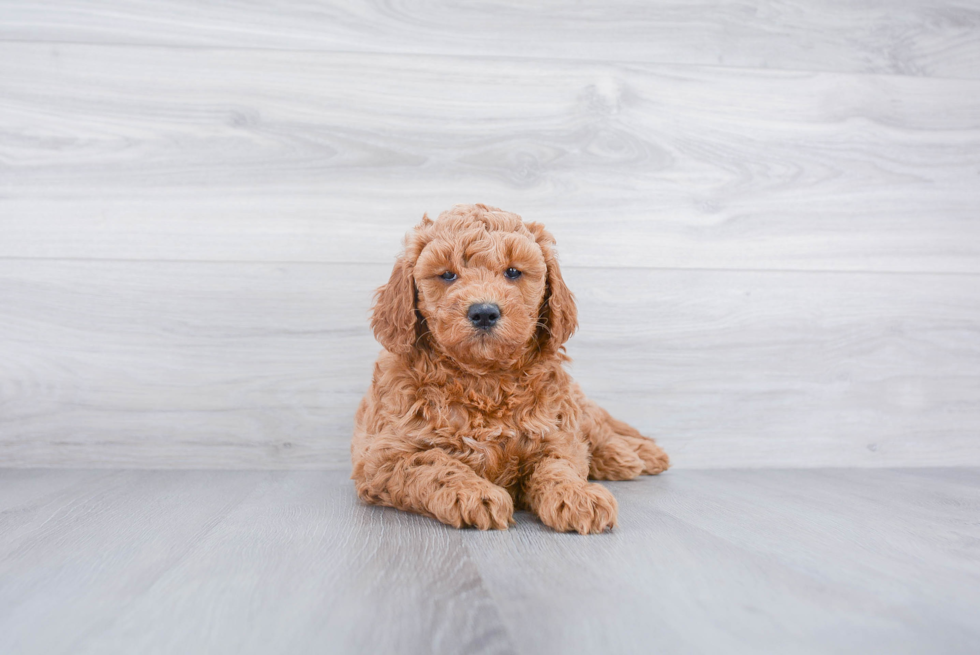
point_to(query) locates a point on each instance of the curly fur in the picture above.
(461, 424)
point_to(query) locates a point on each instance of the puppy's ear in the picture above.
(393, 315)
(558, 317)
(395, 319)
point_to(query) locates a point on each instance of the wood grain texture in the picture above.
(218, 562)
(840, 561)
(218, 155)
(769, 214)
(257, 365)
(702, 559)
(918, 37)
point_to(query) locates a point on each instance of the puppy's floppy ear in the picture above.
(558, 316)
(393, 315)
(396, 321)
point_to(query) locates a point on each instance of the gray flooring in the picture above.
(843, 561)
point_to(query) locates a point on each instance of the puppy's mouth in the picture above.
(483, 337)
(499, 331)
(484, 334)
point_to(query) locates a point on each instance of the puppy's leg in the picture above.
(619, 452)
(431, 482)
(559, 493)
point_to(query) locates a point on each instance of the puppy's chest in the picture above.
(496, 436)
(484, 421)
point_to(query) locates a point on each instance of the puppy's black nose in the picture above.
(484, 315)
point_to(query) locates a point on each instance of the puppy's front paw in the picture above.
(483, 505)
(580, 507)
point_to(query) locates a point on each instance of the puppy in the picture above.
(470, 411)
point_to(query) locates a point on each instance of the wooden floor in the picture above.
(780, 561)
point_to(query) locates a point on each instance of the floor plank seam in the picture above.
(497, 602)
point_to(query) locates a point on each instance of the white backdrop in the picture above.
(771, 225)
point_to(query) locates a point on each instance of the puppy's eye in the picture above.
(512, 273)
(448, 276)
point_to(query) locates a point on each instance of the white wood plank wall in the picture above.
(770, 214)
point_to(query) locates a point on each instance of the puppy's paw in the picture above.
(615, 459)
(482, 505)
(579, 507)
(654, 458)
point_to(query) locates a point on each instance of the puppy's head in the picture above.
(478, 285)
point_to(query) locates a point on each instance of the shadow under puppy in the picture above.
(470, 410)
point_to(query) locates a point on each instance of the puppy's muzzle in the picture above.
(483, 316)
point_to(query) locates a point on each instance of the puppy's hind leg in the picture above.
(618, 451)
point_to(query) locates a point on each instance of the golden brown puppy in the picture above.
(470, 410)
